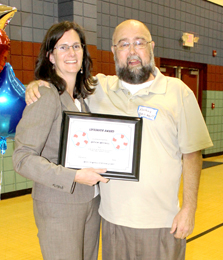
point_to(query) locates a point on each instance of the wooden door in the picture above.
(190, 78)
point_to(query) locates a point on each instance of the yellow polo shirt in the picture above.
(172, 125)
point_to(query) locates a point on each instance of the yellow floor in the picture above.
(209, 214)
(18, 238)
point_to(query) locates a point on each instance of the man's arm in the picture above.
(32, 91)
(183, 223)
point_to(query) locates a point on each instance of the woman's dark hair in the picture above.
(44, 68)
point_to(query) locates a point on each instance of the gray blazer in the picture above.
(36, 150)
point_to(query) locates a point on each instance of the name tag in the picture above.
(147, 112)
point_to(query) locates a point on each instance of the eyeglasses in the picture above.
(65, 47)
(138, 44)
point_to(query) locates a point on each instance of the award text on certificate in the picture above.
(100, 144)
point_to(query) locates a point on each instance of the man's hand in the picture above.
(183, 224)
(32, 91)
(90, 176)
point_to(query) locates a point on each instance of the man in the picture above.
(141, 220)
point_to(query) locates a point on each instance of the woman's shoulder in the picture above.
(49, 99)
(50, 92)
(50, 89)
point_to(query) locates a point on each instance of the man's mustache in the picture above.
(134, 57)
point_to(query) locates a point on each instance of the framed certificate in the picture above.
(101, 141)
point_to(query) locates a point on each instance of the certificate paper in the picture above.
(102, 141)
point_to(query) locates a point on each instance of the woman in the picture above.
(65, 201)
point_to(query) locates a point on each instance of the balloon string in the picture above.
(1, 175)
(3, 148)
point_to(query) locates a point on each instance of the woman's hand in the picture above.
(32, 91)
(90, 176)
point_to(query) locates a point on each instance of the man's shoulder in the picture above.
(109, 78)
(176, 84)
(106, 83)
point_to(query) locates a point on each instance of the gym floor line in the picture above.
(18, 232)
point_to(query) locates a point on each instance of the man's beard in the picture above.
(135, 75)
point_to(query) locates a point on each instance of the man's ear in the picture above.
(113, 50)
(153, 44)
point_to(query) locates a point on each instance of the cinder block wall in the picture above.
(166, 19)
(213, 93)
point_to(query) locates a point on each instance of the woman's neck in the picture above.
(70, 85)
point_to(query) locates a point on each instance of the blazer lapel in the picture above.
(67, 102)
(69, 105)
(84, 106)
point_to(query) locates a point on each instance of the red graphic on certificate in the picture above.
(80, 139)
(120, 141)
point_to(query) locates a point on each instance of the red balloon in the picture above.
(4, 48)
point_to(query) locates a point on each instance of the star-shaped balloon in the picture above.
(12, 104)
(12, 91)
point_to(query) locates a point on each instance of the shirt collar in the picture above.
(158, 86)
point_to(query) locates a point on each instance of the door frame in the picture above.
(189, 65)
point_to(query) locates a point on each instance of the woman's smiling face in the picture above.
(65, 60)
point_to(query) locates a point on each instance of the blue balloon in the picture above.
(3, 145)
(12, 103)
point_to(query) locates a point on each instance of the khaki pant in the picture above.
(123, 243)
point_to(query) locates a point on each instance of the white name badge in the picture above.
(147, 112)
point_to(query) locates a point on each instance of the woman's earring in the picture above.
(81, 70)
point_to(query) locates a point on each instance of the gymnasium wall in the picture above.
(167, 21)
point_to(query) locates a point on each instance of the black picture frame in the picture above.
(99, 119)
